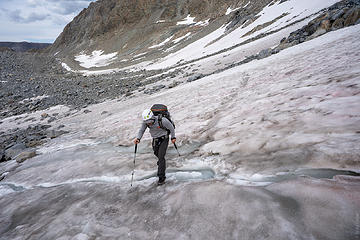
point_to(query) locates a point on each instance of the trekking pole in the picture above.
(132, 175)
(177, 149)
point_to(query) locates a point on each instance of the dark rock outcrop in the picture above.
(339, 15)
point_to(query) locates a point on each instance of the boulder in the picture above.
(337, 24)
(2, 156)
(14, 150)
(352, 16)
(25, 155)
(195, 77)
(54, 134)
(264, 53)
(325, 24)
(337, 15)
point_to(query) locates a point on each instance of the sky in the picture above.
(37, 20)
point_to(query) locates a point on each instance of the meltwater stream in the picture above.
(264, 180)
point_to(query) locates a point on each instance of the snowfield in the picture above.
(268, 149)
(96, 59)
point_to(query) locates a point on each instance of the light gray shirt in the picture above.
(155, 129)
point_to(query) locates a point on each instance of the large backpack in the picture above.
(160, 110)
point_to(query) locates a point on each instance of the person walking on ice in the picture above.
(158, 120)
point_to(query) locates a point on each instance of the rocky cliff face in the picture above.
(127, 26)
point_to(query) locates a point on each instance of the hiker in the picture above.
(160, 128)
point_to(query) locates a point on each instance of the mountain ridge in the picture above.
(24, 46)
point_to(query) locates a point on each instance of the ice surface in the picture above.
(5, 190)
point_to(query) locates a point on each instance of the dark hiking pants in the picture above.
(159, 146)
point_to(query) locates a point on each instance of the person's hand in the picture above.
(136, 141)
(173, 140)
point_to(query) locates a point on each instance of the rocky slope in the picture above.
(130, 28)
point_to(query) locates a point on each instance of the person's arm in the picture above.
(140, 133)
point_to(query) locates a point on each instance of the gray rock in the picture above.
(275, 50)
(14, 150)
(52, 119)
(264, 53)
(54, 134)
(337, 15)
(2, 156)
(25, 155)
(158, 87)
(173, 84)
(195, 77)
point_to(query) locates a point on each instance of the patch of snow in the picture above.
(56, 53)
(34, 98)
(162, 43)
(203, 23)
(96, 59)
(187, 21)
(139, 55)
(160, 21)
(229, 10)
(64, 65)
(181, 38)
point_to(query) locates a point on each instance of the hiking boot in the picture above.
(161, 180)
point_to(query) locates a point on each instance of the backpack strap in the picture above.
(161, 125)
